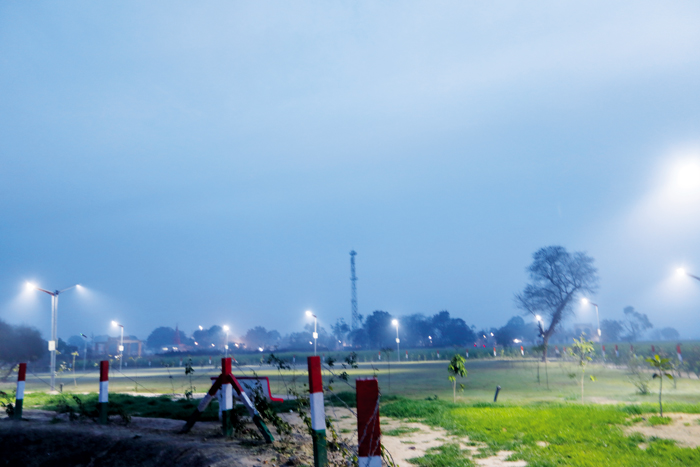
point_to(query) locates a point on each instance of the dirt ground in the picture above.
(684, 429)
(47, 439)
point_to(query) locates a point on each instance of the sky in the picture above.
(198, 164)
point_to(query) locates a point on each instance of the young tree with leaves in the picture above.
(661, 365)
(456, 368)
(582, 349)
(557, 278)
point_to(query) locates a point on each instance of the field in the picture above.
(542, 421)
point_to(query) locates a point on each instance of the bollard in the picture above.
(103, 400)
(368, 429)
(318, 413)
(226, 399)
(678, 351)
(495, 397)
(19, 400)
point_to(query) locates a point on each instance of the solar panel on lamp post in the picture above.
(54, 325)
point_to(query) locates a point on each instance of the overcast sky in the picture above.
(214, 163)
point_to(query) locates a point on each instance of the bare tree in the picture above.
(557, 278)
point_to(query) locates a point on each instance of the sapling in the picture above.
(456, 368)
(582, 350)
(661, 365)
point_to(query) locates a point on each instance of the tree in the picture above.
(557, 277)
(661, 365)
(450, 331)
(340, 330)
(670, 334)
(611, 329)
(164, 337)
(582, 349)
(259, 337)
(635, 324)
(379, 329)
(456, 368)
(516, 328)
(19, 344)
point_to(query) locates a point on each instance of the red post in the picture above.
(368, 430)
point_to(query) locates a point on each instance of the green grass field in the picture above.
(527, 410)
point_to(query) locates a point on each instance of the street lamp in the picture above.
(226, 328)
(585, 301)
(54, 325)
(683, 272)
(121, 344)
(309, 314)
(85, 352)
(395, 322)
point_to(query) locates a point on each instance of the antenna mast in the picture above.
(353, 296)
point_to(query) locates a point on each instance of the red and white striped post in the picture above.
(19, 400)
(368, 430)
(318, 412)
(603, 352)
(226, 399)
(678, 351)
(522, 351)
(494, 351)
(103, 400)
(617, 352)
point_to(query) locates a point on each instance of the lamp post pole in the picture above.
(315, 334)
(121, 344)
(54, 327)
(226, 328)
(398, 353)
(85, 351)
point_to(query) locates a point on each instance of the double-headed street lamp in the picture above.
(585, 301)
(395, 322)
(309, 314)
(54, 325)
(226, 329)
(121, 344)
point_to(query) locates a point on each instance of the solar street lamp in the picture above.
(309, 314)
(395, 322)
(54, 325)
(121, 344)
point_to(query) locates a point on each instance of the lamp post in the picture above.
(309, 314)
(395, 322)
(226, 328)
(585, 301)
(683, 272)
(54, 326)
(121, 344)
(85, 351)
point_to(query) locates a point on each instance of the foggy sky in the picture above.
(200, 164)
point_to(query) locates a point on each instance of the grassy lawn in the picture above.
(568, 434)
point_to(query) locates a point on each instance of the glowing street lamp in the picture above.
(309, 314)
(226, 328)
(54, 325)
(395, 322)
(121, 344)
(585, 301)
(683, 272)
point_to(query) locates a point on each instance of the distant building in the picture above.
(105, 345)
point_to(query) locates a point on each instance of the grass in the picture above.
(400, 431)
(576, 435)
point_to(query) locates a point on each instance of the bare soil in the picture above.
(684, 429)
